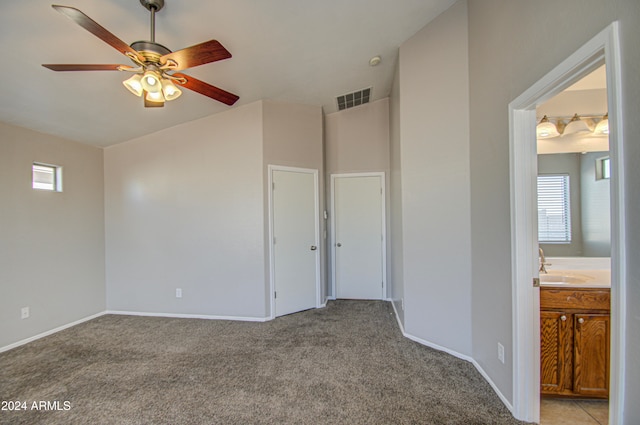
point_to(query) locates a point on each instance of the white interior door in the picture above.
(295, 261)
(358, 212)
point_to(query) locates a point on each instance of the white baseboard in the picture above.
(189, 316)
(50, 332)
(455, 354)
(398, 318)
(493, 385)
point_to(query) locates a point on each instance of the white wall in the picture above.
(184, 209)
(357, 141)
(51, 244)
(434, 171)
(512, 45)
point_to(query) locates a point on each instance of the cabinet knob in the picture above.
(563, 318)
(581, 320)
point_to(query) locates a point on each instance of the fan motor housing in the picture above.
(155, 4)
(151, 51)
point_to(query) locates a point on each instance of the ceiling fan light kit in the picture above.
(154, 76)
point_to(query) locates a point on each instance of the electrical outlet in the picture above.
(178, 293)
(24, 313)
(501, 353)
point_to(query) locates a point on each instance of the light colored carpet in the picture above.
(344, 364)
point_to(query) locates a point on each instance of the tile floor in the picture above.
(573, 412)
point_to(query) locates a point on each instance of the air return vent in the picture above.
(356, 98)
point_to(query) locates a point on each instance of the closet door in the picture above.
(358, 209)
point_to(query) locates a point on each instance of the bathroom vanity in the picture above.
(574, 341)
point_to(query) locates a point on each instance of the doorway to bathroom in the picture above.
(602, 49)
(574, 239)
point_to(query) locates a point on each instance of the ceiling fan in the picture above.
(154, 72)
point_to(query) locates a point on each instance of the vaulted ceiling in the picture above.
(291, 50)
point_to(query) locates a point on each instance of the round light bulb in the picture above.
(151, 82)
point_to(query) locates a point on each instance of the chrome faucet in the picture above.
(543, 262)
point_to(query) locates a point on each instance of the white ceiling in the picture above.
(292, 50)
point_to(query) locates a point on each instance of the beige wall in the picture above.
(51, 244)
(395, 257)
(357, 141)
(512, 45)
(432, 143)
(184, 209)
(187, 207)
(293, 137)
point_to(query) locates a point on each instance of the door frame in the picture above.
(603, 48)
(316, 198)
(332, 241)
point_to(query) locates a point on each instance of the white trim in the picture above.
(383, 208)
(484, 374)
(188, 316)
(395, 310)
(316, 188)
(50, 332)
(454, 354)
(604, 47)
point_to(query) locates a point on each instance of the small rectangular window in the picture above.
(603, 168)
(47, 177)
(554, 213)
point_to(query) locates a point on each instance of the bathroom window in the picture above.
(46, 177)
(554, 213)
(603, 168)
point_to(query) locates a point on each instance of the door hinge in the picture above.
(536, 282)
(274, 240)
(275, 294)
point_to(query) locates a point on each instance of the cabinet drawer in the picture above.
(582, 299)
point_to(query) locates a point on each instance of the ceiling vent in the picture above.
(356, 98)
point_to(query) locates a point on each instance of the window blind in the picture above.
(554, 214)
(44, 177)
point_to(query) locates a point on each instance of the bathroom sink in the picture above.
(564, 278)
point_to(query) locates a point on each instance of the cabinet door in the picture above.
(555, 352)
(591, 355)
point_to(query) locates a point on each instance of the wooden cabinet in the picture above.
(574, 342)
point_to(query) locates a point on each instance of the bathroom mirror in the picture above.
(589, 202)
(581, 154)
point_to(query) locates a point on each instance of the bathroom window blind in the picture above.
(554, 214)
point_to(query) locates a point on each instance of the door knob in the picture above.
(563, 318)
(581, 320)
(313, 247)
(338, 244)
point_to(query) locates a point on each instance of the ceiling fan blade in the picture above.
(71, 67)
(209, 51)
(207, 89)
(96, 29)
